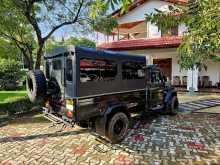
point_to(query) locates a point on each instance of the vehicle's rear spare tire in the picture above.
(117, 127)
(36, 85)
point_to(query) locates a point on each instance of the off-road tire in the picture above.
(36, 85)
(173, 108)
(83, 124)
(117, 127)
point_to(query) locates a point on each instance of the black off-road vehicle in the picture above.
(99, 89)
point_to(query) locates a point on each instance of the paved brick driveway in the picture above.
(180, 139)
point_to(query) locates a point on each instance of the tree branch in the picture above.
(65, 23)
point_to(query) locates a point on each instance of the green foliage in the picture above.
(85, 42)
(105, 24)
(16, 105)
(16, 35)
(8, 50)
(7, 96)
(51, 43)
(99, 7)
(10, 74)
(201, 41)
(23, 22)
(167, 19)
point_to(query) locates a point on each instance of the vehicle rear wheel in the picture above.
(36, 85)
(83, 124)
(117, 127)
(174, 106)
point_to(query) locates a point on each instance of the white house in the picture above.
(133, 35)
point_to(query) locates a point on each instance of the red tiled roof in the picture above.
(137, 3)
(163, 42)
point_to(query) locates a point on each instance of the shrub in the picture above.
(10, 74)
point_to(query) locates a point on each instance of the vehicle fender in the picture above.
(170, 93)
(111, 109)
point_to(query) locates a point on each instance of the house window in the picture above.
(97, 70)
(133, 70)
(69, 70)
(170, 32)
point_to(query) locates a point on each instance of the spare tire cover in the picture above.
(36, 85)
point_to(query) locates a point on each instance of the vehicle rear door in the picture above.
(155, 89)
(57, 73)
(69, 75)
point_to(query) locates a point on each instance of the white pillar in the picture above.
(192, 79)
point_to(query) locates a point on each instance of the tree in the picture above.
(10, 73)
(85, 43)
(201, 41)
(15, 33)
(52, 14)
(104, 24)
(103, 6)
(8, 50)
(51, 43)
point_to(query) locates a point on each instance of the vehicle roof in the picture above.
(59, 50)
(109, 54)
(91, 51)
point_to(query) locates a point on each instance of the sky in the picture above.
(68, 31)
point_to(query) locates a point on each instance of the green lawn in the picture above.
(5, 96)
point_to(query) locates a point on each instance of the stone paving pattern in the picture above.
(156, 140)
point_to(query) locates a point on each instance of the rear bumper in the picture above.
(55, 118)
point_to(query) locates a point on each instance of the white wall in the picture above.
(181, 29)
(213, 71)
(153, 31)
(139, 12)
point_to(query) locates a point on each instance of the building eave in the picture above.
(135, 44)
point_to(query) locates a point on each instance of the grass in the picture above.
(6, 96)
(14, 102)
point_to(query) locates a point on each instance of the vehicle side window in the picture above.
(97, 70)
(57, 64)
(133, 70)
(69, 70)
(156, 77)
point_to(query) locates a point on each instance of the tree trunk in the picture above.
(39, 55)
(29, 62)
(28, 59)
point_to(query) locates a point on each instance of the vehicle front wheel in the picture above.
(117, 127)
(173, 108)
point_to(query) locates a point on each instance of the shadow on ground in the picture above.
(41, 136)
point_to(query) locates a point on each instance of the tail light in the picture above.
(47, 104)
(70, 105)
(69, 114)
